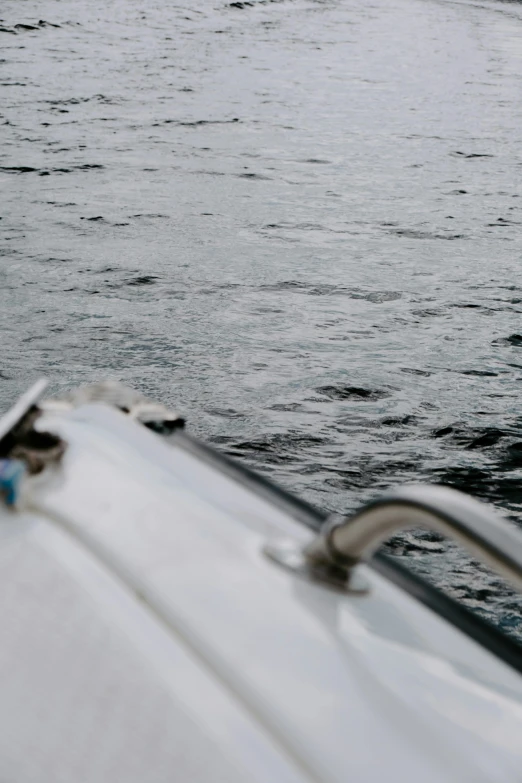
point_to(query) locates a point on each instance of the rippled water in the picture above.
(297, 221)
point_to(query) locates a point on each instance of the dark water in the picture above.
(297, 221)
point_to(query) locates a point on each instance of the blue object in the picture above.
(11, 473)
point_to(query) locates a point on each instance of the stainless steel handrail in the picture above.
(344, 542)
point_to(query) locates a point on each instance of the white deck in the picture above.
(150, 639)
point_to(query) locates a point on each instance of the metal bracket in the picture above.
(21, 407)
(290, 555)
(21, 442)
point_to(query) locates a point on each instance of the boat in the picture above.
(169, 615)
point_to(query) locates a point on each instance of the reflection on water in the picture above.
(298, 221)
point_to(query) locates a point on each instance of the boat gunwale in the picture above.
(477, 628)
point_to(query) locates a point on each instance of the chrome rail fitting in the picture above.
(331, 558)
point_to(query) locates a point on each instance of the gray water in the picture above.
(298, 221)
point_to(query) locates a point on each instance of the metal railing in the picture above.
(344, 542)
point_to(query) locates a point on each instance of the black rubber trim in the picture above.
(483, 632)
(479, 629)
(297, 509)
